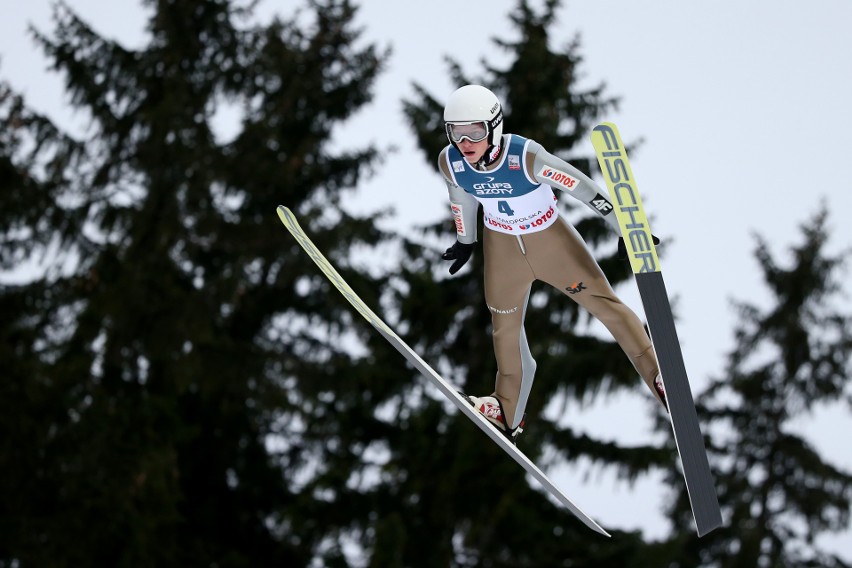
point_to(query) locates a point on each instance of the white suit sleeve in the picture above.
(559, 174)
(464, 206)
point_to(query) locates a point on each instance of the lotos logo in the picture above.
(558, 177)
(541, 220)
(538, 220)
(458, 217)
(495, 223)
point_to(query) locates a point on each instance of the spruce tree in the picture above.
(168, 363)
(791, 359)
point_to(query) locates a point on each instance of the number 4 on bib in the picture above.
(503, 207)
(612, 157)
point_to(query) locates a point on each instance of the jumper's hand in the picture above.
(622, 248)
(459, 252)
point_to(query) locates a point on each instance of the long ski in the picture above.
(443, 386)
(636, 231)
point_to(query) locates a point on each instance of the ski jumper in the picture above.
(525, 240)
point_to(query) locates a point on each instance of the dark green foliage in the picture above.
(791, 359)
(170, 341)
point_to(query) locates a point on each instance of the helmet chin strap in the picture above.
(491, 155)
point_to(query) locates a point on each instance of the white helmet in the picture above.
(473, 105)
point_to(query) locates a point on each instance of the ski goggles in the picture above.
(473, 131)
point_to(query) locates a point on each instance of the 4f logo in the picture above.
(601, 204)
(576, 288)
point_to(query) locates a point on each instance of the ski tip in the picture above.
(285, 215)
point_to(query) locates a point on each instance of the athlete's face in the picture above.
(472, 151)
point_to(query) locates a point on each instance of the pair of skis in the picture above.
(643, 258)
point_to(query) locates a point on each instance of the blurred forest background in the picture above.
(182, 387)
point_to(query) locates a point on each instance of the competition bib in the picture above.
(524, 214)
(511, 201)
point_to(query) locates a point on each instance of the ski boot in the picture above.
(492, 409)
(661, 390)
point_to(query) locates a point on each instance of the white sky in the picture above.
(745, 111)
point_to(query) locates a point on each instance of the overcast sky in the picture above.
(744, 108)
